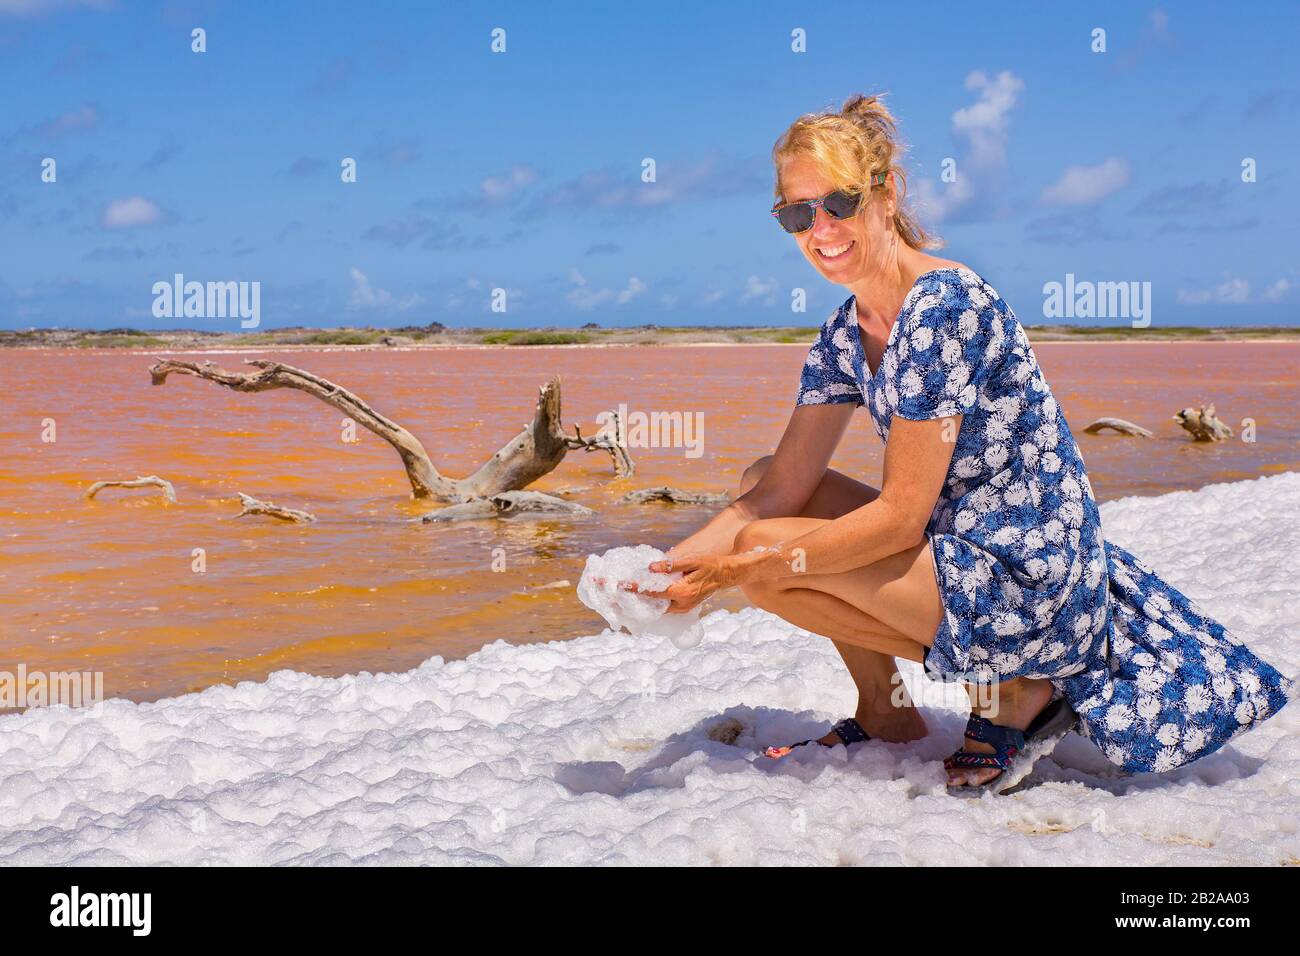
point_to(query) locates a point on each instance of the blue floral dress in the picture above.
(1030, 587)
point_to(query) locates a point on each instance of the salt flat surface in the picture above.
(601, 750)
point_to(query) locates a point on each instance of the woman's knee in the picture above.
(751, 475)
(756, 534)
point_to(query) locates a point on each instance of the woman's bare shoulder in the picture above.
(935, 263)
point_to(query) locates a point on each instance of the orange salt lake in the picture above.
(108, 585)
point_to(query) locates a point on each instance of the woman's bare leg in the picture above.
(885, 710)
(902, 590)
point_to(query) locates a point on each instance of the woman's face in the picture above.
(842, 250)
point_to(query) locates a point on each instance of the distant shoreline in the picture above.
(435, 336)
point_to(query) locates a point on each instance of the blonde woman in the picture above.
(981, 555)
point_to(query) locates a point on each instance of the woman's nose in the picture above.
(823, 223)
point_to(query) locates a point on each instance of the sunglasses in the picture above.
(799, 216)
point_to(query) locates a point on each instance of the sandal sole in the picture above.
(1047, 730)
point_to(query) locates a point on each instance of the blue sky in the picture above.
(522, 170)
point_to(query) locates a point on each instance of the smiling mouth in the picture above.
(835, 252)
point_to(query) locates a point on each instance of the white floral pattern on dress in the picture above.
(1030, 587)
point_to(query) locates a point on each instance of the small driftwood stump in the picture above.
(144, 482)
(676, 496)
(507, 504)
(623, 466)
(1202, 424)
(1120, 425)
(252, 506)
(534, 452)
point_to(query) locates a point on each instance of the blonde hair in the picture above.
(849, 147)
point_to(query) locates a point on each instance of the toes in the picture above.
(971, 777)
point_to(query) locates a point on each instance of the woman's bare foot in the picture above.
(1017, 703)
(895, 725)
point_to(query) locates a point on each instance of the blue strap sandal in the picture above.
(1014, 751)
(848, 730)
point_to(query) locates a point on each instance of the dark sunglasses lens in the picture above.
(842, 205)
(795, 218)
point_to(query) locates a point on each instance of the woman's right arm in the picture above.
(797, 467)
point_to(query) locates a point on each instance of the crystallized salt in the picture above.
(602, 590)
(616, 750)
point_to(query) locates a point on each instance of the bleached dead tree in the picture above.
(1203, 424)
(507, 504)
(534, 452)
(1119, 425)
(252, 506)
(141, 482)
(676, 496)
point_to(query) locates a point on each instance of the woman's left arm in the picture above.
(917, 457)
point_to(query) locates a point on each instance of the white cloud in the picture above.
(365, 296)
(938, 201)
(634, 288)
(756, 288)
(1277, 291)
(1233, 291)
(73, 122)
(981, 131)
(585, 299)
(1084, 185)
(131, 212)
(984, 124)
(501, 188)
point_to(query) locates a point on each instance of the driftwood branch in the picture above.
(1202, 424)
(532, 453)
(507, 504)
(623, 467)
(425, 480)
(142, 482)
(676, 496)
(1120, 425)
(253, 506)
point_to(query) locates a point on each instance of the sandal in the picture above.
(1014, 751)
(848, 730)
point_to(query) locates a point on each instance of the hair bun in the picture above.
(858, 103)
(871, 111)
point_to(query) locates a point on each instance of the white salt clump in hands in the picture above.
(601, 589)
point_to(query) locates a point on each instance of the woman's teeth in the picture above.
(834, 252)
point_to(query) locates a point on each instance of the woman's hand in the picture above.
(703, 574)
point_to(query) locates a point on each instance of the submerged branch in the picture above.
(253, 506)
(144, 482)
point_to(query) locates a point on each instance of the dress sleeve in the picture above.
(828, 377)
(951, 339)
